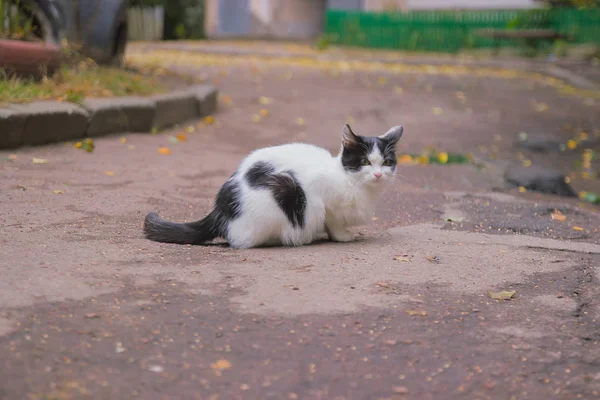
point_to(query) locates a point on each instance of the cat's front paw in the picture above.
(342, 235)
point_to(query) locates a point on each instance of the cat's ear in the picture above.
(349, 139)
(393, 135)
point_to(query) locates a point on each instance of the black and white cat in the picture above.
(291, 194)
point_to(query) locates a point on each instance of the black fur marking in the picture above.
(290, 196)
(259, 174)
(227, 202)
(387, 148)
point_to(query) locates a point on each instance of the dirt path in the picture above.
(90, 309)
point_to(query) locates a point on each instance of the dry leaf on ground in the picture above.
(419, 313)
(502, 295)
(221, 365)
(578, 229)
(164, 150)
(558, 216)
(39, 161)
(58, 192)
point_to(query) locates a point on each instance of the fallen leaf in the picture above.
(58, 192)
(541, 107)
(522, 189)
(265, 100)
(404, 259)
(400, 389)
(374, 218)
(209, 120)
(91, 315)
(384, 285)
(405, 159)
(221, 365)
(437, 111)
(527, 163)
(173, 139)
(443, 157)
(119, 348)
(12, 156)
(398, 90)
(433, 259)
(300, 121)
(21, 187)
(419, 313)
(39, 161)
(571, 144)
(164, 151)
(109, 173)
(182, 137)
(256, 118)
(123, 140)
(558, 216)
(156, 368)
(502, 295)
(455, 219)
(578, 229)
(263, 112)
(382, 80)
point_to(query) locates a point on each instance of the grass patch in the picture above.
(75, 83)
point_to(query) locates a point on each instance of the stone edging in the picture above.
(44, 122)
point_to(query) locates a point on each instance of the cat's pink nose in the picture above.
(377, 174)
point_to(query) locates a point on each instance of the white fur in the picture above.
(336, 199)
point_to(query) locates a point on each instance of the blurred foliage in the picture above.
(16, 21)
(581, 4)
(184, 19)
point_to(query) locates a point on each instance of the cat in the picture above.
(292, 194)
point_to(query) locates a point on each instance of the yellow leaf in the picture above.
(109, 173)
(123, 140)
(502, 295)
(522, 189)
(58, 192)
(437, 111)
(382, 80)
(443, 157)
(571, 144)
(578, 228)
(404, 259)
(164, 150)
(78, 145)
(405, 159)
(374, 218)
(423, 159)
(221, 365)
(541, 107)
(263, 112)
(300, 121)
(419, 313)
(398, 90)
(256, 118)
(265, 100)
(209, 120)
(12, 156)
(583, 135)
(39, 161)
(567, 179)
(181, 137)
(190, 129)
(558, 216)
(527, 163)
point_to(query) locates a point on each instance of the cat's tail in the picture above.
(160, 230)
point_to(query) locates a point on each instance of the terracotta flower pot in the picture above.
(29, 58)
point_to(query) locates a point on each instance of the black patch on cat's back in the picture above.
(228, 202)
(259, 174)
(290, 197)
(284, 187)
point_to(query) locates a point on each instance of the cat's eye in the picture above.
(365, 162)
(387, 163)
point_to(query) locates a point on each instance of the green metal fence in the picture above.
(452, 31)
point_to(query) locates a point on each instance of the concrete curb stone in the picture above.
(12, 124)
(44, 122)
(121, 114)
(174, 108)
(52, 121)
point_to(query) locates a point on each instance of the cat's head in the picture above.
(370, 160)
